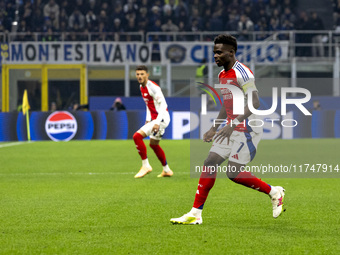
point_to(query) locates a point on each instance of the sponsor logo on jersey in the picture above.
(235, 156)
(61, 126)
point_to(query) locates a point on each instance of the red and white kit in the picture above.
(244, 139)
(156, 110)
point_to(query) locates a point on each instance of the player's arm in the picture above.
(162, 111)
(222, 115)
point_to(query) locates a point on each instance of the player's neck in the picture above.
(230, 65)
(144, 84)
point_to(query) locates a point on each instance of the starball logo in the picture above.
(238, 103)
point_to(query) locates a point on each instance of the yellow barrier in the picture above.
(44, 81)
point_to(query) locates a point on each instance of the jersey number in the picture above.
(242, 144)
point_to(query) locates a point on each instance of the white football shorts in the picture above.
(241, 148)
(147, 128)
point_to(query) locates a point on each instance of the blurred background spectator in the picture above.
(245, 25)
(118, 16)
(317, 39)
(76, 21)
(118, 105)
(51, 11)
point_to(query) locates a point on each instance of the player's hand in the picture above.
(224, 133)
(146, 122)
(208, 136)
(155, 129)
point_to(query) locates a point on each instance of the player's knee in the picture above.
(137, 136)
(153, 142)
(209, 161)
(213, 159)
(153, 146)
(231, 175)
(233, 170)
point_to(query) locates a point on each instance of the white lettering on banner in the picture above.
(194, 53)
(72, 52)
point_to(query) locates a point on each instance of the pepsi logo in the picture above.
(61, 126)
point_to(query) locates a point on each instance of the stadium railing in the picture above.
(72, 36)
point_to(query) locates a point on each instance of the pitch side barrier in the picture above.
(79, 125)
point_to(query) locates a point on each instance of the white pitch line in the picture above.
(25, 174)
(108, 173)
(11, 144)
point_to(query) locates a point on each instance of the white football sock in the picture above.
(273, 191)
(196, 212)
(166, 168)
(146, 163)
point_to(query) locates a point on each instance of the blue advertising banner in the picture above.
(78, 125)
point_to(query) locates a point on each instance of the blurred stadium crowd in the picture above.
(79, 17)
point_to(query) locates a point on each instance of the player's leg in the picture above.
(207, 179)
(249, 180)
(155, 139)
(206, 182)
(141, 148)
(235, 173)
(243, 151)
(140, 145)
(154, 144)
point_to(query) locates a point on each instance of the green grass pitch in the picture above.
(80, 197)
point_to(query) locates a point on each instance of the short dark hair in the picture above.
(226, 39)
(142, 68)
